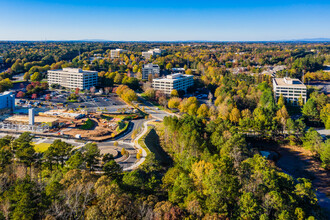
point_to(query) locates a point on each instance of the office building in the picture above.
(73, 78)
(7, 101)
(178, 70)
(150, 68)
(152, 52)
(291, 89)
(116, 53)
(176, 81)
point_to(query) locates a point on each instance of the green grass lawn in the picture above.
(122, 126)
(87, 125)
(42, 147)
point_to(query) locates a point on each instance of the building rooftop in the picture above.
(289, 82)
(173, 77)
(178, 69)
(118, 49)
(150, 65)
(6, 93)
(73, 70)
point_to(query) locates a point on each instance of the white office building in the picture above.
(152, 52)
(291, 89)
(176, 81)
(178, 70)
(148, 69)
(7, 100)
(116, 53)
(73, 78)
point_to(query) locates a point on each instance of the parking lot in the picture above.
(109, 103)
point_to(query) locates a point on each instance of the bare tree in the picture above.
(92, 89)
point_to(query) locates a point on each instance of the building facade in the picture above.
(73, 78)
(152, 52)
(175, 81)
(7, 101)
(178, 70)
(150, 68)
(116, 53)
(291, 89)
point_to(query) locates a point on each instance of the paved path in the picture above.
(138, 146)
(152, 110)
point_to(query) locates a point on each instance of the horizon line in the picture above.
(176, 41)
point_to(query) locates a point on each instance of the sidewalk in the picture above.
(138, 146)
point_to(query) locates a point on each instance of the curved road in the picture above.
(124, 141)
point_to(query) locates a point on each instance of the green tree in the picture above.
(36, 77)
(57, 152)
(312, 140)
(25, 152)
(310, 111)
(91, 154)
(248, 206)
(282, 116)
(76, 161)
(112, 169)
(325, 116)
(118, 78)
(169, 66)
(6, 157)
(325, 154)
(25, 200)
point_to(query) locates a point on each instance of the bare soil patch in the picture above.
(299, 163)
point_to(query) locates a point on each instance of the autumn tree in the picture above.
(203, 111)
(235, 115)
(174, 93)
(174, 102)
(20, 94)
(36, 77)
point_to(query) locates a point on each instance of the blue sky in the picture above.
(164, 20)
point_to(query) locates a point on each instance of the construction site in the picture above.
(69, 123)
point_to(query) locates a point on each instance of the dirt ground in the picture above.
(299, 163)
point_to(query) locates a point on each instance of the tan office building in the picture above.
(153, 52)
(176, 81)
(73, 78)
(116, 53)
(291, 89)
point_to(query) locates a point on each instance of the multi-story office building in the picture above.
(116, 53)
(150, 68)
(291, 89)
(73, 78)
(178, 70)
(152, 52)
(176, 81)
(7, 100)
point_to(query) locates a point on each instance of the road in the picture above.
(152, 110)
(124, 140)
